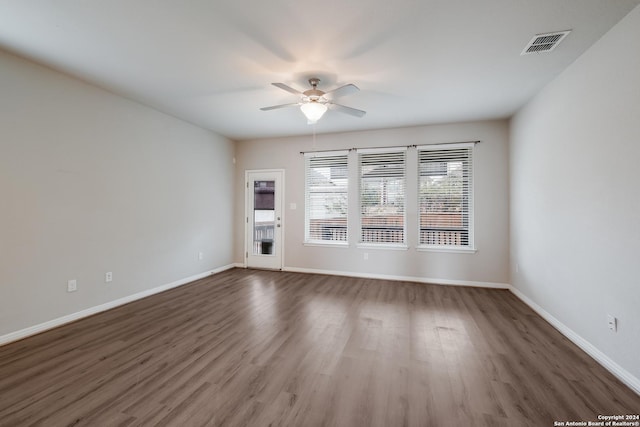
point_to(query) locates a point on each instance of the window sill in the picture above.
(445, 249)
(328, 244)
(384, 246)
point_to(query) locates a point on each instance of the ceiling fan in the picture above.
(314, 102)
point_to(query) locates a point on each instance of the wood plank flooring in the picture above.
(262, 348)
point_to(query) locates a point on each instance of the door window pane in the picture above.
(263, 217)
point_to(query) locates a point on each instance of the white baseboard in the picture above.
(401, 278)
(36, 329)
(622, 374)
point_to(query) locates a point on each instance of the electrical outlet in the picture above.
(72, 286)
(612, 322)
(200, 256)
(108, 277)
(517, 268)
(366, 256)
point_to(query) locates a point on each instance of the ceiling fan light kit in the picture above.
(314, 102)
(313, 110)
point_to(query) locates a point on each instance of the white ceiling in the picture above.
(211, 62)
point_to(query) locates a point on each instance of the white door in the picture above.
(264, 219)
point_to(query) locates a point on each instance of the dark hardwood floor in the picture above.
(261, 348)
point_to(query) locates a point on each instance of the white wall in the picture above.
(91, 182)
(575, 196)
(488, 265)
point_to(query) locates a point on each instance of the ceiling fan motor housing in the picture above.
(313, 94)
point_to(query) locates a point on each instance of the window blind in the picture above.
(446, 196)
(382, 196)
(326, 197)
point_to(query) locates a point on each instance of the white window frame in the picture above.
(307, 226)
(470, 247)
(382, 245)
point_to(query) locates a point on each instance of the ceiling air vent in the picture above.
(544, 42)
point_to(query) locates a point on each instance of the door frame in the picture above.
(245, 258)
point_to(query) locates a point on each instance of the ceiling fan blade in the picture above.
(288, 88)
(347, 110)
(343, 90)
(275, 107)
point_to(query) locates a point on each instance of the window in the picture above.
(446, 196)
(326, 186)
(382, 204)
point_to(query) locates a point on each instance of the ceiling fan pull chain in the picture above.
(314, 137)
